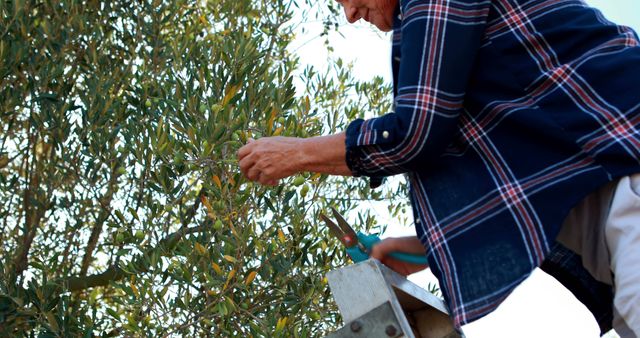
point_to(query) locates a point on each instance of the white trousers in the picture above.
(622, 232)
(604, 229)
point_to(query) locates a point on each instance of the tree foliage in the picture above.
(124, 212)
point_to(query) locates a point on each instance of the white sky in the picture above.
(540, 307)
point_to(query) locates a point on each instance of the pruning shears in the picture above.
(358, 245)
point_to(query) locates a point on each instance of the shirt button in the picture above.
(417, 221)
(385, 134)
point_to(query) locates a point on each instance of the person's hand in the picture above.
(411, 245)
(269, 159)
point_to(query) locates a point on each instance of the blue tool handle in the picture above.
(368, 241)
(356, 254)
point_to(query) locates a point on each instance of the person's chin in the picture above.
(383, 26)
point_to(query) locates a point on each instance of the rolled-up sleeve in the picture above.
(439, 42)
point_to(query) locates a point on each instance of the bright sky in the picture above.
(540, 307)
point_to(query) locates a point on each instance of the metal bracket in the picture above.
(380, 322)
(361, 289)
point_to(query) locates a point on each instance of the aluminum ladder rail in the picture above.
(375, 301)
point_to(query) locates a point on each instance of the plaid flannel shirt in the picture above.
(507, 113)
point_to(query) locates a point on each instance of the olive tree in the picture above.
(123, 210)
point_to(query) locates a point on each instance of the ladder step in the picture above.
(361, 290)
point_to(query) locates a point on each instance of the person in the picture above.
(516, 123)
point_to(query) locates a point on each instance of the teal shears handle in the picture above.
(368, 241)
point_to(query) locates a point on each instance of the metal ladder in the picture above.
(375, 301)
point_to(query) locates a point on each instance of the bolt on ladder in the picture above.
(375, 301)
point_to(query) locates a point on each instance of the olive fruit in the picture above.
(298, 181)
(304, 190)
(217, 225)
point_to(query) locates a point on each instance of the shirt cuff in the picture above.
(355, 152)
(370, 132)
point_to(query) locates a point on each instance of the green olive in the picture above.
(298, 181)
(216, 108)
(119, 237)
(178, 159)
(304, 190)
(236, 136)
(217, 225)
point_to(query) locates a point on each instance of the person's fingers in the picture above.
(242, 152)
(273, 183)
(268, 182)
(245, 150)
(402, 267)
(263, 179)
(245, 164)
(253, 173)
(382, 250)
(397, 266)
(378, 252)
(386, 246)
(267, 177)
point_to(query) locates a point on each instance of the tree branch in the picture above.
(32, 213)
(105, 203)
(115, 273)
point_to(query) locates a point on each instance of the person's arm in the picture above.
(269, 159)
(437, 52)
(439, 44)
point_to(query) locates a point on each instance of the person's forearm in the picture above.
(325, 154)
(269, 159)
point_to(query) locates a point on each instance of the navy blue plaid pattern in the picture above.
(507, 113)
